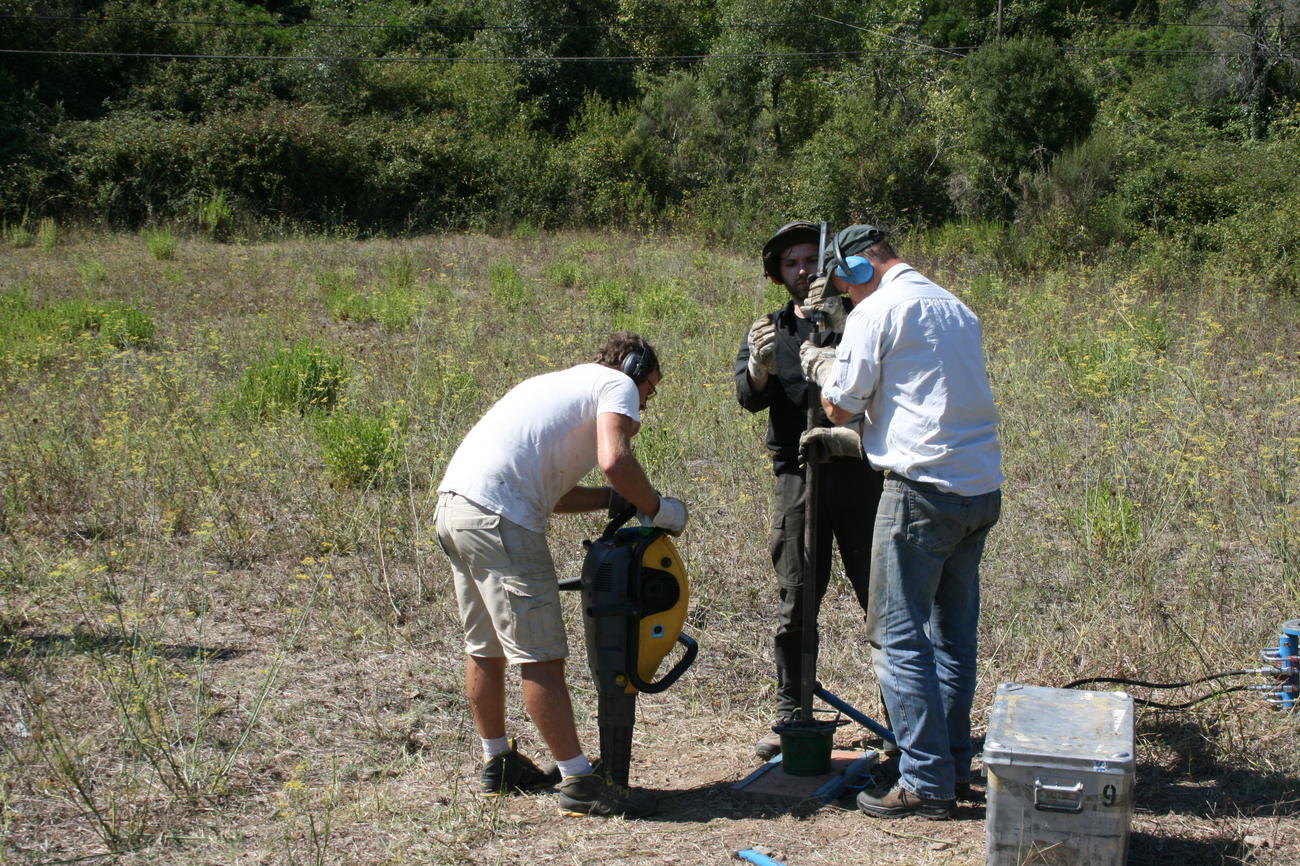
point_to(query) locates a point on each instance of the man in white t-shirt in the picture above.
(519, 464)
(912, 360)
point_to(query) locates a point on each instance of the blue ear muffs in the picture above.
(855, 269)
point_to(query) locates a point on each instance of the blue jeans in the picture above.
(923, 625)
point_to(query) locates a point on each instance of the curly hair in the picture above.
(623, 343)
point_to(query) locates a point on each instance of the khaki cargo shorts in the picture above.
(506, 586)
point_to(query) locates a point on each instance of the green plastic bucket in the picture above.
(806, 749)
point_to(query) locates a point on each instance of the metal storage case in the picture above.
(1060, 776)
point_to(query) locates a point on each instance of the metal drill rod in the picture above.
(808, 646)
(812, 474)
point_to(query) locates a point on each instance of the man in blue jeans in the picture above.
(913, 361)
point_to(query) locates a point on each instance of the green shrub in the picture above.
(1109, 360)
(867, 163)
(342, 299)
(450, 387)
(1107, 518)
(608, 296)
(92, 272)
(36, 332)
(506, 287)
(399, 273)
(565, 274)
(122, 326)
(361, 448)
(19, 236)
(214, 214)
(984, 292)
(161, 243)
(47, 233)
(301, 378)
(664, 305)
(395, 307)
(1025, 103)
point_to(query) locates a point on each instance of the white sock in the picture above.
(578, 766)
(495, 746)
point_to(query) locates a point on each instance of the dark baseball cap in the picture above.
(852, 240)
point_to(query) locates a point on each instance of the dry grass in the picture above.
(213, 652)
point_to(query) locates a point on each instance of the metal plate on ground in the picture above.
(848, 767)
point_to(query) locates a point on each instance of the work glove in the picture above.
(824, 300)
(670, 517)
(822, 444)
(762, 348)
(817, 362)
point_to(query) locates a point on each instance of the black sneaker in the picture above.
(595, 794)
(513, 773)
(898, 802)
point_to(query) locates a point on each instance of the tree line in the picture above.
(1087, 126)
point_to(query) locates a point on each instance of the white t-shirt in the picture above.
(912, 359)
(538, 441)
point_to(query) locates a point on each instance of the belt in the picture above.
(923, 486)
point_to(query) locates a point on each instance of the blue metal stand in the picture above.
(855, 714)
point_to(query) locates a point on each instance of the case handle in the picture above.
(1059, 793)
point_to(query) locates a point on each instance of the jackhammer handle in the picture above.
(616, 521)
(692, 650)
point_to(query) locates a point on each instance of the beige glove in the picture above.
(822, 298)
(822, 444)
(817, 363)
(762, 348)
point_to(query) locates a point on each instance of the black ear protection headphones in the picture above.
(637, 365)
(854, 269)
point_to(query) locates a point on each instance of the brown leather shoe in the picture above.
(899, 802)
(770, 745)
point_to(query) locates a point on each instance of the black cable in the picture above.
(1194, 701)
(1124, 681)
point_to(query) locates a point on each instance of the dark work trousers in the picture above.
(849, 492)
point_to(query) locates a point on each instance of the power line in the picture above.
(888, 36)
(654, 58)
(310, 25)
(739, 25)
(671, 58)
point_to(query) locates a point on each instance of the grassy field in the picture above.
(228, 635)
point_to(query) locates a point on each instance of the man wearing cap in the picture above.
(912, 360)
(769, 376)
(519, 464)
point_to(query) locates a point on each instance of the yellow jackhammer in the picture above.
(634, 598)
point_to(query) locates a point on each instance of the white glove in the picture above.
(822, 298)
(817, 363)
(762, 348)
(671, 516)
(822, 444)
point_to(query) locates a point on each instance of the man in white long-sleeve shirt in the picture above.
(912, 360)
